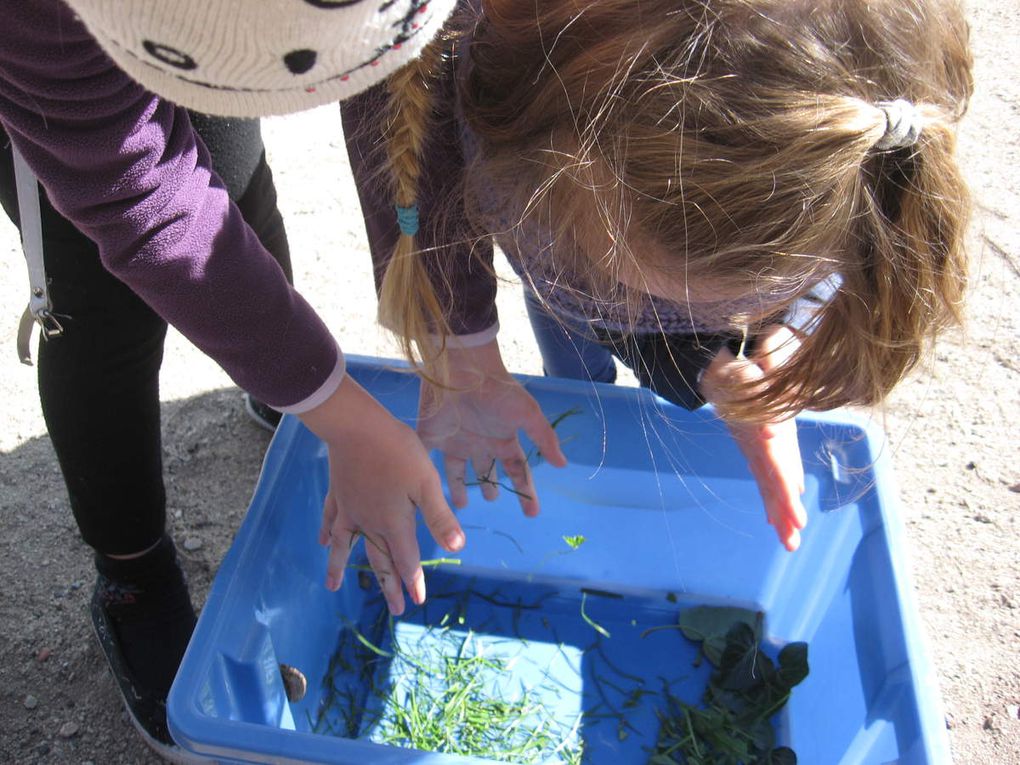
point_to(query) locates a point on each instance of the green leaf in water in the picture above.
(370, 645)
(597, 627)
(572, 412)
(574, 541)
(732, 726)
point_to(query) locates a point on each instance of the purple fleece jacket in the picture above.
(128, 170)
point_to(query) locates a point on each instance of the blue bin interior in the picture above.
(670, 517)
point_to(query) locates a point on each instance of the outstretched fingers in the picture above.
(438, 516)
(543, 436)
(776, 346)
(771, 449)
(775, 463)
(456, 480)
(384, 567)
(341, 542)
(486, 476)
(330, 509)
(406, 558)
(517, 471)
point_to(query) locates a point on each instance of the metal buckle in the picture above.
(49, 326)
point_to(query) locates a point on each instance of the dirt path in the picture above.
(954, 431)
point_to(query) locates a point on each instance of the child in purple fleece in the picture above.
(99, 390)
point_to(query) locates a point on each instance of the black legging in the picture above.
(99, 380)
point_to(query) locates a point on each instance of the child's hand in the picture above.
(477, 422)
(379, 473)
(771, 449)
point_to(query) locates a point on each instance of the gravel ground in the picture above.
(953, 430)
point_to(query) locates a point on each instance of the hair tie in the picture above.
(902, 124)
(407, 219)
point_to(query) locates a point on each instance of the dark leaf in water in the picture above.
(793, 664)
(743, 665)
(762, 734)
(781, 755)
(744, 704)
(705, 622)
(712, 647)
(732, 726)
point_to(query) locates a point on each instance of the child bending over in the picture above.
(671, 179)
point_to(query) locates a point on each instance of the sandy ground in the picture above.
(953, 430)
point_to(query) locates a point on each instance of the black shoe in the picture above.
(262, 414)
(146, 709)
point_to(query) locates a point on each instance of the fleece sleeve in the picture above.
(126, 168)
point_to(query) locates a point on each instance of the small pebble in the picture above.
(192, 543)
(178, 514)
(294, 683)
(31, 702)
(1013, 712)
(989, 723)
(43, 654)
(1015, 488)
(75, 585)
(68, 729)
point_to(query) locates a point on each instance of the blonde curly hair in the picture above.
(740, 136)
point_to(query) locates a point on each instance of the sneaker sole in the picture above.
(103, 631)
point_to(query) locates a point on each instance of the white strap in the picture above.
(39, 309)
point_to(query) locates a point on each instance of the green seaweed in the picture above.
(732, 726)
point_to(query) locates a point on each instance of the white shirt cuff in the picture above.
(473, 340)
(323, 392)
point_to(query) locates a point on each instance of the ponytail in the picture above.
(408, 304)
(903, 277)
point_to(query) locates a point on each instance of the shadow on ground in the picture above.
(58, 703)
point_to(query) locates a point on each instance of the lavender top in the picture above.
(530, 252)
(127, 168)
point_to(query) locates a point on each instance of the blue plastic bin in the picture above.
(670, 517)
